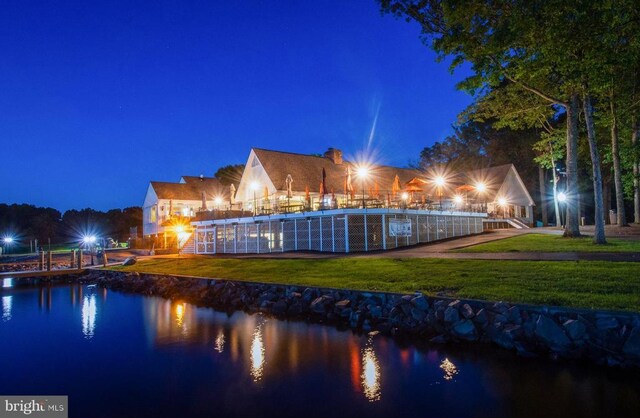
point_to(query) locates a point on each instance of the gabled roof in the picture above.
(306, 171)
(191, 189)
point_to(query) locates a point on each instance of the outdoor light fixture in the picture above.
(217, 201)
(481, 187)
(440, 181)
(502, 201)
(562, 197)
(7, 240)
(405, 196)
(362, 172)
(179, 229)
(458, 199)
(89, 239)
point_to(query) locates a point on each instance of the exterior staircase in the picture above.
(504, 223)
(517, 223)
(189, 246)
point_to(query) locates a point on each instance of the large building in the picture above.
(290, 202)
(169, 204)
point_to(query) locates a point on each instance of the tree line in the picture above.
(25, 222)
(567, 69)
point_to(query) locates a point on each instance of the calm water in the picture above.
(129, 355)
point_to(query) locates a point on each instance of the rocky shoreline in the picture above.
(606, 338)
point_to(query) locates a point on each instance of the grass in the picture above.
(552, 243)
(592, 284)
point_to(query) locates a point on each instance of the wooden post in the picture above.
(104, 258)
(80, 258)
(41, 261)
(49, 258)
(72, 259)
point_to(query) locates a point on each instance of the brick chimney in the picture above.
(334, 155)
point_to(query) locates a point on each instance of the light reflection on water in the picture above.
(257, 354)
(88, 313)
(236, 364)
(7, 302)
(370, 373)
(7, 283)
(449, 369)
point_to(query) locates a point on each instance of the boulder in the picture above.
(481, 317)
(464, 329)
(418, 314)
(575, 329)
(420, 302)
(129, 261)
(551, 334)
(466, 311)
(632, 346)
(606, 323)
(451, 315)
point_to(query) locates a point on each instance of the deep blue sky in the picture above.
(99, 98)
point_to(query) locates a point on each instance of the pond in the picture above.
(118, 354)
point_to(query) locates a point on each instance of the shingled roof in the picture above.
(306, 171)
(191, 189)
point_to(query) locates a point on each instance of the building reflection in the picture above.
(219, 344)
(88, 314)
(7, 304)
(7, 283)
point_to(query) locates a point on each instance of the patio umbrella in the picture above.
(232, 194)
(348, 186)
(170, 208)
(289, 181)
(322, 185)
(388, 199)
(307, 196)
(376, 190)
(265, 193)
(395, 187)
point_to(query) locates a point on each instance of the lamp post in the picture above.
(363, 173)
(254, 186)
(440, 182)
(405, 198)
(562, 198)
(7, 241)
(88, 241)
(481, 188)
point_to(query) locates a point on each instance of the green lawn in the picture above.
(552, 243)
(592, 284)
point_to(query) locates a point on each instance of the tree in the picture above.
(230, 174)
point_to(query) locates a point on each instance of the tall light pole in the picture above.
(481, 188)
(440, 182)
(363, 173)
(562, 198)
(7, 241)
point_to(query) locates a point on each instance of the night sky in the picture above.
(99, 98)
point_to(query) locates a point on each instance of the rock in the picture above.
(280, 307)
(575, 329)
(466, 311)
(606, 322)
(375, 312)
(500, 320)
(420, 302)
(439, 339)
(451, 315)
(500, 307)
(514, 315)
(455, 304)
(481, 317)
(632, 345)
(551, 334)
(343, 304)
(129, 261)
(317, 305)
(464, 329)
(418, 314)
